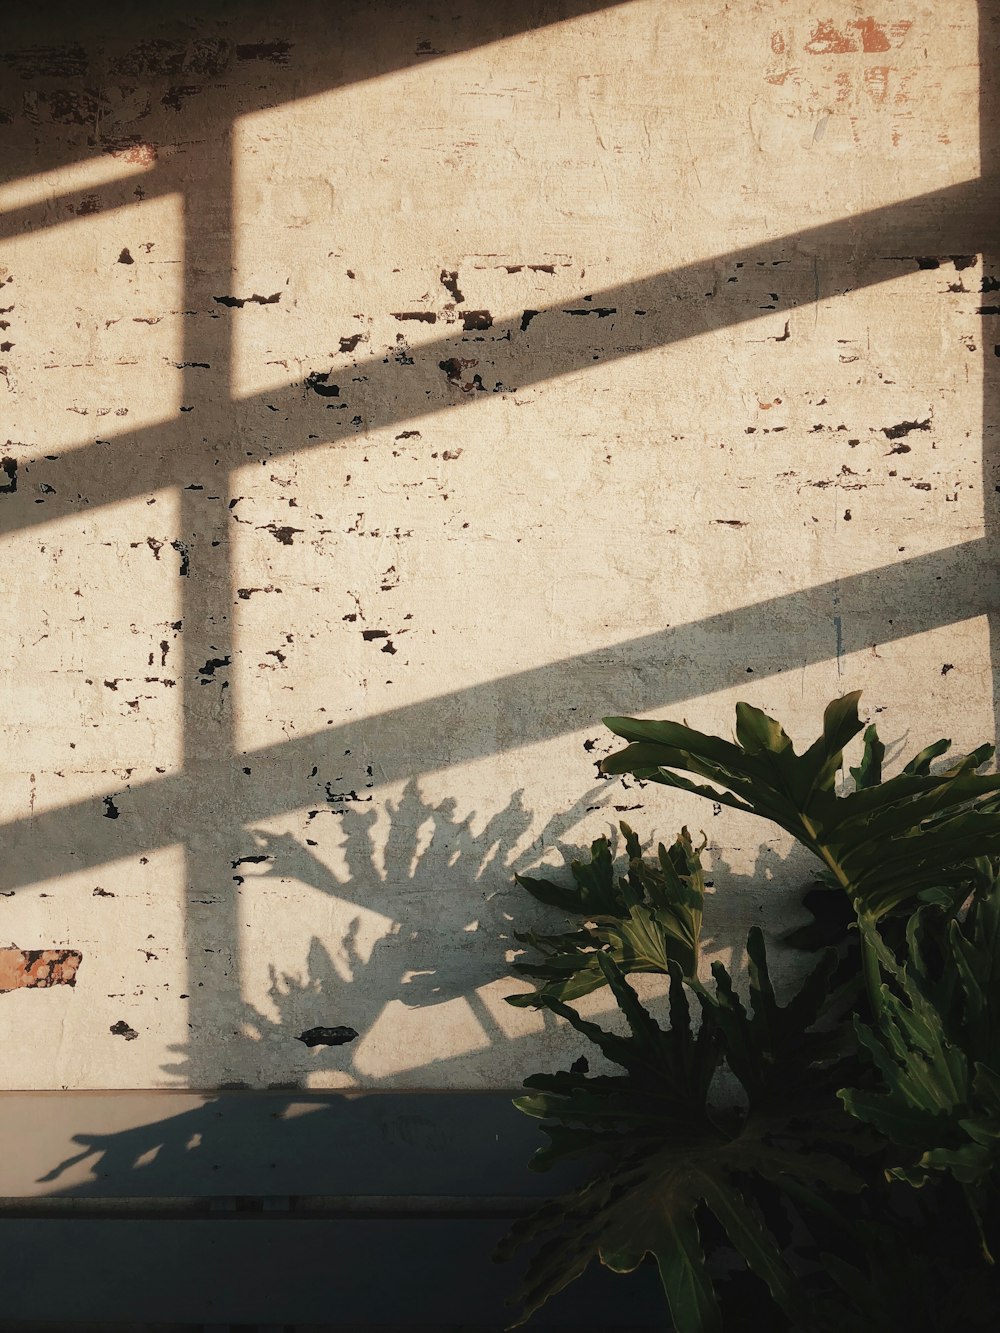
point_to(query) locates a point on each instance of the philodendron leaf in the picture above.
(594, 888)
(920, 764)
(935, 1040)
(869, 772)
(886, 843)
(759, 734)
(669, 1153)
(644, 922)
(618, 1217)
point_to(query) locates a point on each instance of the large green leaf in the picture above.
(643, 921)
(709, 1126)
(885, 843)
(934, 1039)
(594, 888)
(869, 772)
(767, 1045)
(673, 1153)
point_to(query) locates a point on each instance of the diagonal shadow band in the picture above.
(67, 209)
(654, 671)
(882, 245)
(106, 41)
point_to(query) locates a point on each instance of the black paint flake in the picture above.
(473, 320)
(904, 428)
(249, 861)
(318, 381)
(122, 1029)
(244, 594)
(343, 797)
(238, 302)
(212, 666)
(283, 535)
(185, 555)
(327, 1036)
(449, 281)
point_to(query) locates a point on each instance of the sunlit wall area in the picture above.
(390, 395)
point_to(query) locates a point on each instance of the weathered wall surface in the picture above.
(388, 394)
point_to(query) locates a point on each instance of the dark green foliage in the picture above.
(935, 1041)
(885, 843)
(788, 1137)
(644, 920)
(671, 1149)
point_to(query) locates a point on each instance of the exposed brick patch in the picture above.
(38, 967)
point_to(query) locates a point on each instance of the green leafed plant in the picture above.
(671, 1149)
(885, 843)
(935, 1041)
(738, 1135)
(643, 920)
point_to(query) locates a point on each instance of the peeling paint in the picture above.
(250, 280)
(38, 968)
(334, 1036)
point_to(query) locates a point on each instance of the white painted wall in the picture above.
(569, 360)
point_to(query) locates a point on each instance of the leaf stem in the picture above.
(869, 962)
(871, 972)
(977, 1217)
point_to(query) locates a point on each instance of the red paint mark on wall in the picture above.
(877, 83)
(902, 94)
(777, 43)
(141, 154)
(874, 37)
(829, 41)
(20, 968)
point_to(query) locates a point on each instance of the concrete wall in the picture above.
(388, 393)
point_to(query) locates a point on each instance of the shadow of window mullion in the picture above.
(206, 820)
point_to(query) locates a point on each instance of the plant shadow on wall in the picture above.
(438, 892)
(444, 897)
(434, 875)
(442, 887)
(784, 1163)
